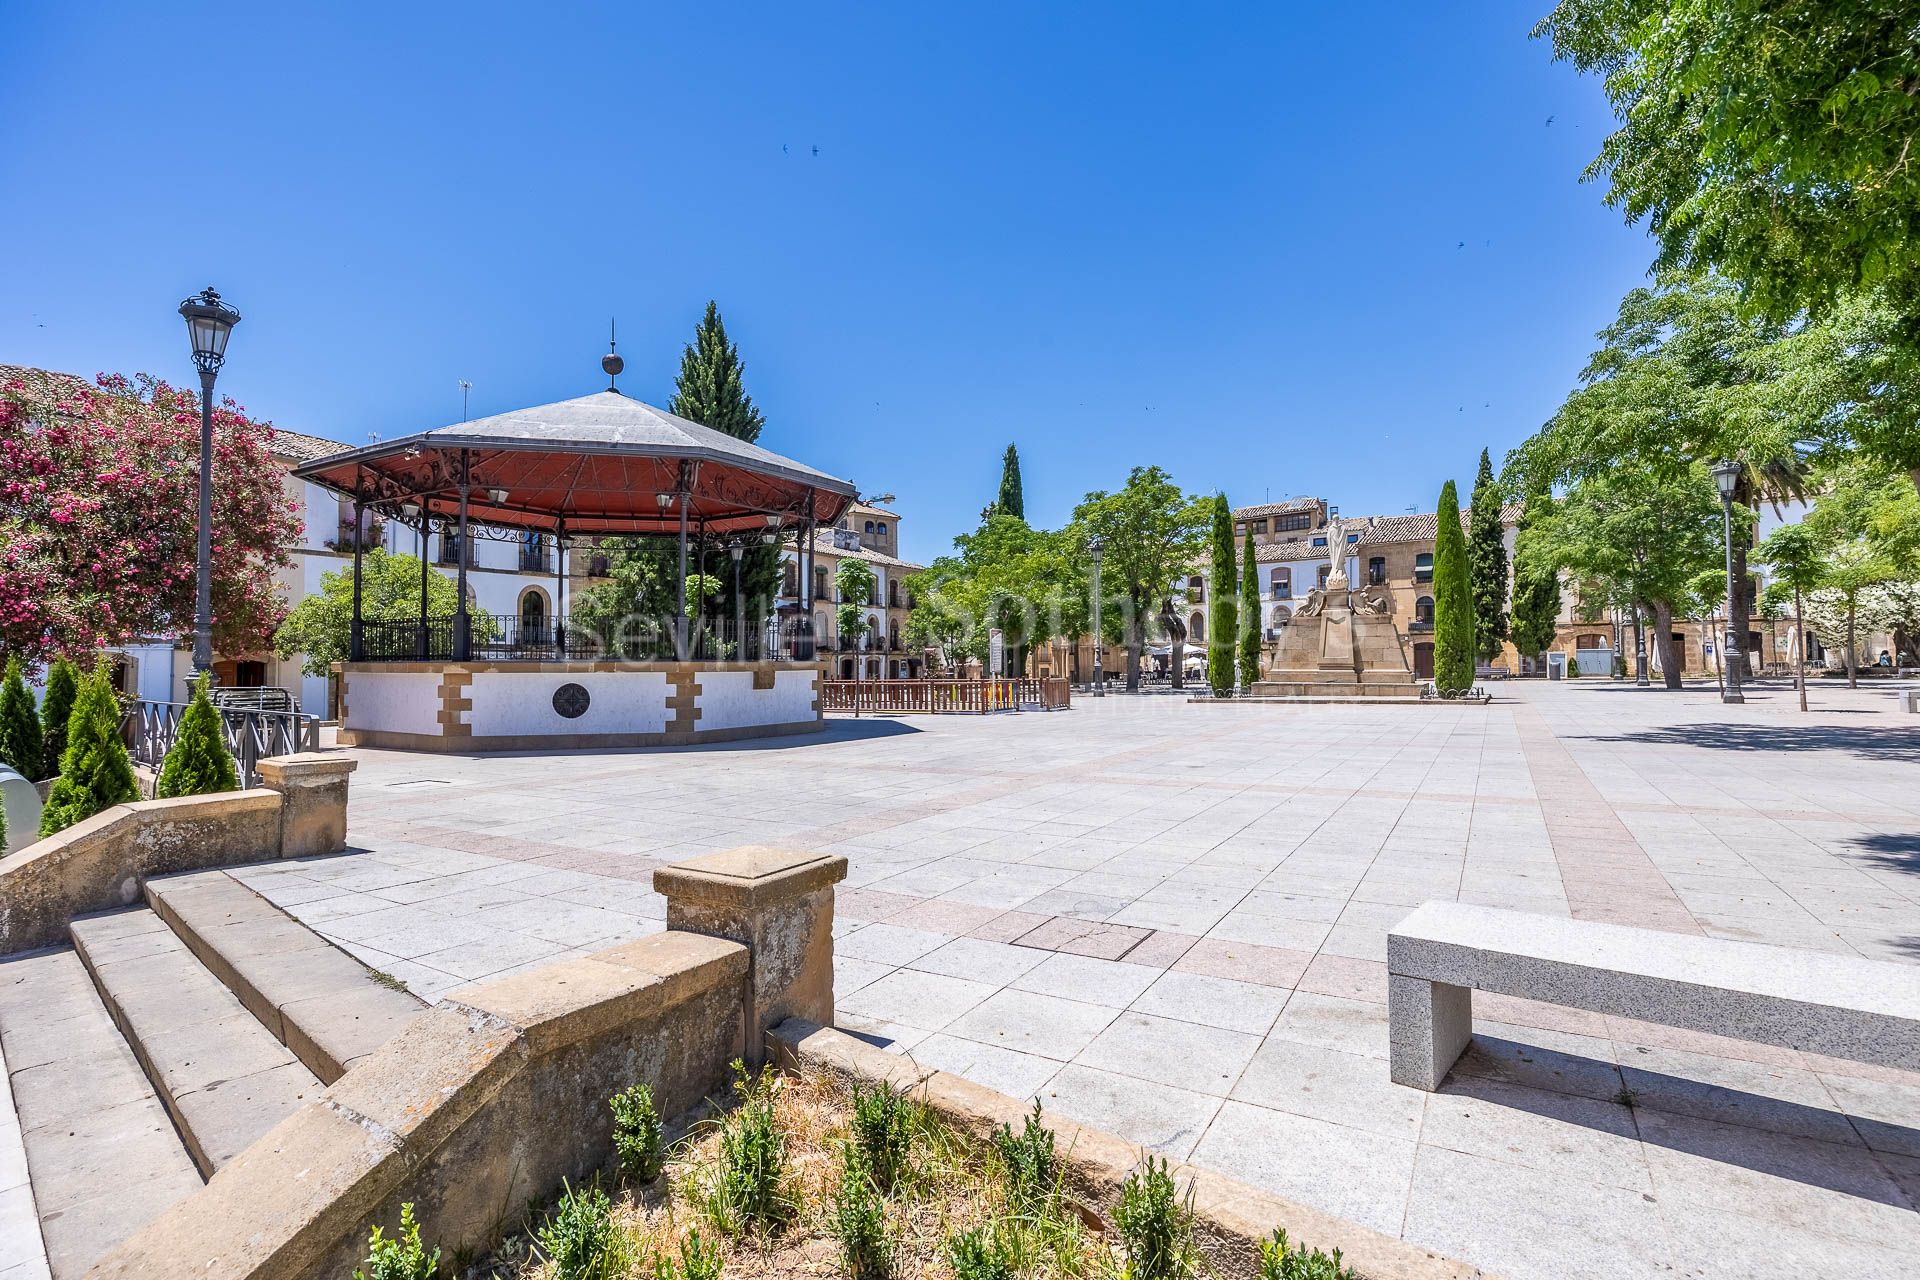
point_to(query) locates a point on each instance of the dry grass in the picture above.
(951, 1184)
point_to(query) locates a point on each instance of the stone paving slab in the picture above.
(1223, 886)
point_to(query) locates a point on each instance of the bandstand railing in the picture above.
(252, 735)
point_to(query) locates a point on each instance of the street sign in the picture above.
(996, 652)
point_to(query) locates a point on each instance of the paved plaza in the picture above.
(1169, 920)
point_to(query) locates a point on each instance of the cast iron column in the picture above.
(462, 620)
(356, 637)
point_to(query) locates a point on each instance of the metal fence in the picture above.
(150, 728)
(505, 637)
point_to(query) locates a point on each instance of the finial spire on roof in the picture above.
(611, 362)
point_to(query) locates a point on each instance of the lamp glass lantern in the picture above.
(1727, 476)
(209, 324)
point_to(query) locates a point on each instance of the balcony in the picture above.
(535, 560)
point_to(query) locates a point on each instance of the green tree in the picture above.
(1536, 582)
(711, 390)
(320, 626)
(856, 583)
(1453, 624)
(630, 609)
(56, 707)
(1030, 583)
(198, 763)
(1794, 554)
(1850, 568)
(1013, 499)
(1636, 537)
(20, 744)
(1150, 532)
(1487, 562)
(95, 772)
(1221, 634)
(1249, 614)
(1769, 141)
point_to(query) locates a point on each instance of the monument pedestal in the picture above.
(1334, 650)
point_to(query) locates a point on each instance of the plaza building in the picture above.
(869, 532)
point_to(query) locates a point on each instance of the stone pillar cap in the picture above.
(307, 764)
(751, 876)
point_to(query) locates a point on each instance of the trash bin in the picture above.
(1556, 666)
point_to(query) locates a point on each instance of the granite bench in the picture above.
(1840, 1006)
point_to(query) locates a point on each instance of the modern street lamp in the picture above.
(1095, 546)
(1727, 476)
(209, 323)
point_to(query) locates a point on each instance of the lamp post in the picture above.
(209, 322)
(1727, 476)
(1095, 546)
(737, 549)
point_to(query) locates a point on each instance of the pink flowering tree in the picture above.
(99, 492)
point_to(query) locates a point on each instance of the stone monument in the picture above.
(1341, 643)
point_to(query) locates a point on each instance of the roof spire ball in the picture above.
(611, 362)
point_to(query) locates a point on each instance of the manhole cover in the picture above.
(572, 700)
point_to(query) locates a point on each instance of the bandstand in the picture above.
(603, 464)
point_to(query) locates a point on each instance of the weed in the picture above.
(859, 1218)
(1280, 1262)
(1625, 1096)
(980, 1254)
(1030, 1163)
(1155, 1224)
(699, 1260)
(882, 1125)
(747, 1188)
(581, 1238)
(401, 1258)
(382, 978)
(636, 1133)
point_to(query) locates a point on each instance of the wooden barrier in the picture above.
(963, 697)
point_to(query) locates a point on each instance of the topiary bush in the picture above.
(20, 746)
(1453, 625)
(95, 771)
(198, 763)
(56, 708)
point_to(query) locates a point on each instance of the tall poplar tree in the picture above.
(711, 390)
(1249, 614)
(1221, 636)
(1013, 499)
(1453, 628)
(1487, 563)
(1536, 582)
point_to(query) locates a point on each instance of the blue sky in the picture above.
(1278, 249)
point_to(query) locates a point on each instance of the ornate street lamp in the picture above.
(209, 323)
(1727, 476)
(736, 549)
(1095, 547)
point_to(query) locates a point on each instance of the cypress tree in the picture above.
(711, 390)
(1453, 630)
(20, 745)
(1536, 585)
(1249, 614)
(198, 763)
(1013, 499)
(1220, 610)
(1487, 563)
(95, 771)
(56, 706)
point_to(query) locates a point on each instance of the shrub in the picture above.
(749, 1190)
(401, 1258)
(1031, 1167)
(859, 1218)
(95, 772)
(580, 1236)
(1279, 1262)
(1155, 1224)
(1249, 614)
(882, 1127)
(56, 708)
(699, 1259)
(1573, 668)
(20, 745)
(1453, 622)
(198, 763)
(980, 1254)
(637, 1133)
(1221, 610)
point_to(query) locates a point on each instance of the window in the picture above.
(1423, 567)
(1352, 538)
(1376, 571)
(1321, 582)
(1197, 629)
(1590, 642)
(1296, 521)
(880, 527)
(533, 617)
(1319, 542)
(868, 528)
(893, 594)
(819, 584)
(790, 579)
(450, 548)
(1281, 616)
(1423, 610)
(1259, 526)
(1280, 581)
(598, 566)
(533, 553)
(1196, 589)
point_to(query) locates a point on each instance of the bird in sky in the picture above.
(816, 148)
(784, 151)
(1549, 122)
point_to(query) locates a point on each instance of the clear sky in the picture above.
(1276, 248)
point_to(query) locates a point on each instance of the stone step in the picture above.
(317, 1000)
(102, 1153)
(223, 1076)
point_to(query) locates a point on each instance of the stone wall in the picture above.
(101, 863)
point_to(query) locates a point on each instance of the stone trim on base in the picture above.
(386, 740)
